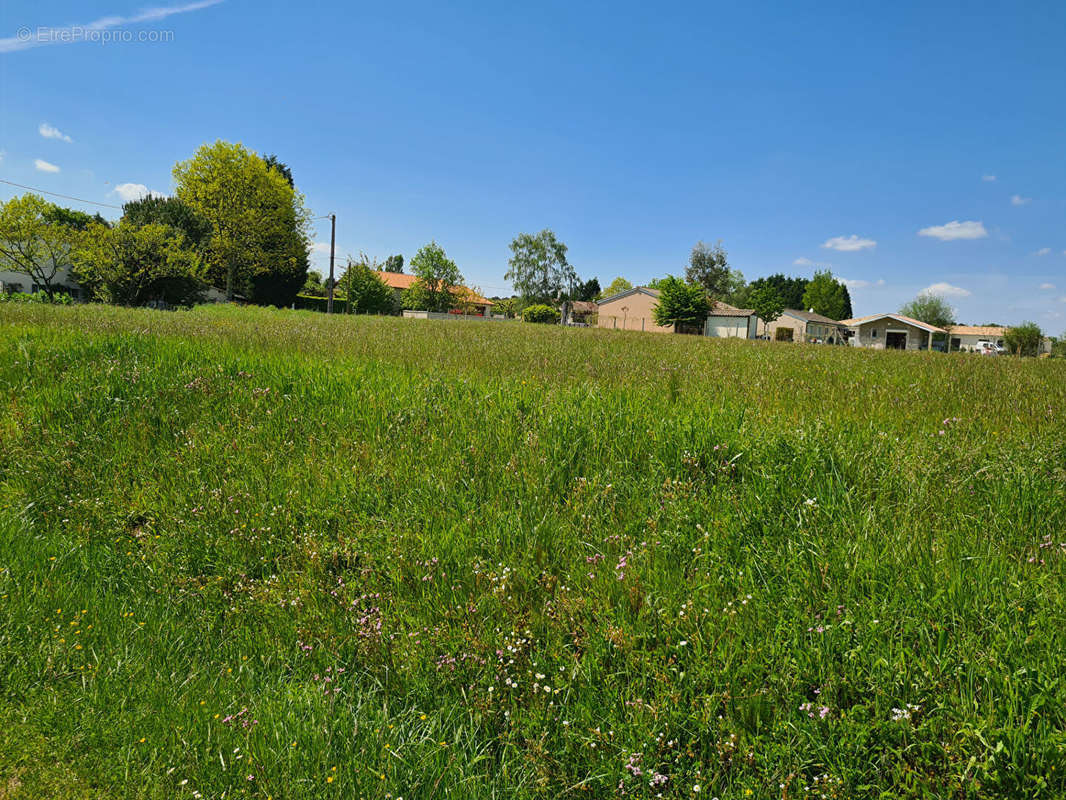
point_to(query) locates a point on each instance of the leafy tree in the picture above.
(539, 269)
(930, 309)
(587, 291)
(767, 304)
(827, 296)
(259, 226)
(507, 306)
(282, 169)
(169, 211)
(437, 275)
(1024, 339)
(33, 245)
(76, 220)
(394, 263)
(313, 285)
(539, 312)
(737, 290)
(367, 293)
(680, 303)
(709, 267)
(790, 289)
(617, 286)
(132, 265)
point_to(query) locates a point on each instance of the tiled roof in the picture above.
(977, 330)
(851, 323)
(401, 281)
(720, 309)
(810, 316)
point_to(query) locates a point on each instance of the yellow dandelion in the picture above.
(77, 647)
(423, 717)
(142, 740)
(329, 779)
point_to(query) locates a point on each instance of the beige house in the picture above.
(634, 310)
(806, 326)
(890, 332)
(631, 310)
(966, 337)
(729, 322)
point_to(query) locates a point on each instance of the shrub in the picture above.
(1024, 339)
(540, 313)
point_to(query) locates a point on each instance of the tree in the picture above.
(259, 226)
(930, 309)
(587, 291)
(283, 170)
(767, 304)
(827, 296)
(169, 211)
(75, 220)
(506, 306)
(31, 244)
(617, 286)
(313, 285)
(680, 304)
(394, 263)
(132, 265)
(1024, 339)
(539, 269)
(790, 289)
(366, 292)
(709, 267)
(437, 275)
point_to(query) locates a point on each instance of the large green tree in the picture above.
(169, 211)
(767, 304)
(617, 286)
(367, 293)
(932, 309)
(539, 270)
(437, 277)
(588, 290)
(680, 303)
(394, 263)
(132, 265)
(1024, 339)
(708, 267)
(827, 296)
(791, 289)
(259, 225)
(32, 243)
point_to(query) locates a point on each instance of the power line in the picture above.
(57, 194)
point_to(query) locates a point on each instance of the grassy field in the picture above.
(251, 553)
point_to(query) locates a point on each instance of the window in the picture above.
(873, 333)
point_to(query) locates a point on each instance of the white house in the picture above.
(890, 332)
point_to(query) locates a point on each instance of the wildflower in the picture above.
(330, 779)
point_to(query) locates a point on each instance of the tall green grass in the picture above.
(250, 553)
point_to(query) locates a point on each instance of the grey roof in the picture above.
(810, 316)
(642, 289)
(720, 309)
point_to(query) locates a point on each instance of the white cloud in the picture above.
(955, 230)
(803, 262)
(134, 191)
(44, 166)
(1018, 200)
(320, 247)
(1047, 286)
(39, 35)
(51, 132)
(988, 178)
(848, 244)
(856, 283)
(945, 289)
(1043, 251)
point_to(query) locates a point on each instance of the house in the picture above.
(631, 310)
(11, 281)
(729, 322)
(399, 282)
(966, 337)
(580, 312)
(890, 332)
(806, 326)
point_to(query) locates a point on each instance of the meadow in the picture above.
(248, 553)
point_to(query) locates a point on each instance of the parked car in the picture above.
(989, 348)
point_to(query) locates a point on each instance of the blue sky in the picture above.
(826, 133)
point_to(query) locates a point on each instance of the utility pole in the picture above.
(332, 247)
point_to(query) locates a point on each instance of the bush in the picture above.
(37, 297)
(1024, 339)
(540, 313)
(309, 303)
